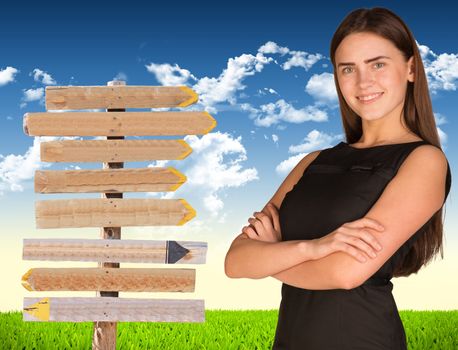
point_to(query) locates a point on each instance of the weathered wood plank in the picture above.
(111, 309)
(118, 123)
(113, 150)
(109, 97)
(112, 212)
(110, 279)
(108, 180)
(109, 250)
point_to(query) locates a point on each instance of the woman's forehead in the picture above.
(358, 47)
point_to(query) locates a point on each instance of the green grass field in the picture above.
(223, 329)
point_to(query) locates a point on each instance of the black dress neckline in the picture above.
(377, 146)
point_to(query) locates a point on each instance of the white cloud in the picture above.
(30, 95)
(273, 113)
(208, 173)
(121, 76)
(7, 75)
(440, 119)
(301, 59)
(442, 138)
(16, 169)
(33, 94)
(271, 47)
(441, 70)
(265, 91)
(297, 58)
(249, 108)
(323, 89)
(285, 167)
(169, 75)
(213, 90)
(275, 138)
(223, 88)
(43, 77)
(315, 140)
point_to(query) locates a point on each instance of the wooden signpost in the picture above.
(112, 211)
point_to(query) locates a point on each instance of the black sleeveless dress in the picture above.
(341, 185)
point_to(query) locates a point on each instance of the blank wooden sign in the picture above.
(108, 180)
(109, 279)
(118, 96)
(111, 212)
(113, 150)
(109, 250)
(113, 309)
(117, 123)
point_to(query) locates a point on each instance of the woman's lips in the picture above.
(373, 97)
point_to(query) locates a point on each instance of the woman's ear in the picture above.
(411, 66)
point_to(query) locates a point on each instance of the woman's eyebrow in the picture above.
(366, 61)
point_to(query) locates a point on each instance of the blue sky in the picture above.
(261, 70)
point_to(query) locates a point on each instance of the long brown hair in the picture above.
(418, 115)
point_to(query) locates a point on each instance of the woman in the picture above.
(385, 186)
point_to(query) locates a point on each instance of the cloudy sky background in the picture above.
(263, 73)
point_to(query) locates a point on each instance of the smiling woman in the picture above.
(391, 172)
(373, 87)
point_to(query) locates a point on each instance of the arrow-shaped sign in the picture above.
(118, 123)
(110, 279)
(113, 150)
(118, 96)
(112, 212)
(111, 250)
(112, 309)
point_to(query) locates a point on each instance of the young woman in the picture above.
(353, 216)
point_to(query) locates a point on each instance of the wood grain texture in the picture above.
(118, 123)
(118, 96)
(113, 150)
(110, 279)
(109, 250)
(111, 212)
(108, 180)
(104, 332)
(109, 309)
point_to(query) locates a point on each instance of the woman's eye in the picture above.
(378, 65)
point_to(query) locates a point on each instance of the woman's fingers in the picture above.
(360, 239)
(275, 217)
(371, 239)
(250, 232)
(363, 246)
(354, 252)
(261, 219)
(262, 224)
(366, 222)
(373, 224)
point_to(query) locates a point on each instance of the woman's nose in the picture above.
(365, 79)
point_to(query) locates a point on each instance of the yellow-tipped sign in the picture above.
(39, 310)
(192, 99)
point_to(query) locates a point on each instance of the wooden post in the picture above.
(104, 336)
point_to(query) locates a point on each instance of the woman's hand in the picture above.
(264, 227)
(350, 238)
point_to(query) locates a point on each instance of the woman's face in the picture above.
(385, 79)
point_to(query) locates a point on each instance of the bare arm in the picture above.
(251, 258)
(314, 274)
(255, 259)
